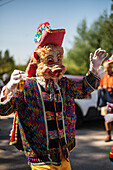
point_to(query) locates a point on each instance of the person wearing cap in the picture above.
(109, 118)
(107, 83)
(44, 123)
(1, 85)
(5, 78)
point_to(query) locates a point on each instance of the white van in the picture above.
(85, 108)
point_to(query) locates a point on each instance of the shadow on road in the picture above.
(91, 151)
(10, 157)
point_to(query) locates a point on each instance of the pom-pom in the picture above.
(42, 27)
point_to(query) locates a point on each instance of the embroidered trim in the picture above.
(63, 118)
(45, 120)
(16, 131)
(88, 83)
(45, 163)
(44, 115)
(50, 151)
(95, 75)
(42, 153)
(6, 111)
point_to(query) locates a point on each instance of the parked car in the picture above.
(85, 108)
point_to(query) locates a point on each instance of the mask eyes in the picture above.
(58, 58)
(50, 59)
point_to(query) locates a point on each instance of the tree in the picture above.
(88, 40)
(7, 63)
(107, 39)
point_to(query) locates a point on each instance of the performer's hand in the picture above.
(96, 60)
(16, 77)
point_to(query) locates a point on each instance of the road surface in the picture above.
(91, 151)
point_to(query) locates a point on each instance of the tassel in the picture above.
(111, 155)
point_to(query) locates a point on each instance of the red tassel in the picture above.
(45, 23)
(111, 155)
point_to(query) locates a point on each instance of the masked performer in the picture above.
(44, 124)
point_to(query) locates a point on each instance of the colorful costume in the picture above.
(44, 125)
(37, 116)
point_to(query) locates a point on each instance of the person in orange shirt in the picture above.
(107, 83)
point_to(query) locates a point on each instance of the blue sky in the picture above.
(19, 20)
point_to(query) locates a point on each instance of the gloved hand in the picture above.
(16, 77)
(101, 72)
(96, 60)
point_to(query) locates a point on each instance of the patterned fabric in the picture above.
(32, 123)
(40, 30)
(64, 166)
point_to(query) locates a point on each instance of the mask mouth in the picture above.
(54, 72)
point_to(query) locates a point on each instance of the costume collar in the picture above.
(48, 83)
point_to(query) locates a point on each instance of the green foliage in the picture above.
(21, 67)
(88, 40)
(7, 64)
(107, 40)
(99, 35)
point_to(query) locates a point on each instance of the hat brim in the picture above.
(110, 62)
(54, 37)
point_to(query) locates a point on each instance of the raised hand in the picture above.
(96, 60)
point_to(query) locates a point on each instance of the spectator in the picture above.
(106, 83)
(5, 78)
(1, 85)
(109, 118)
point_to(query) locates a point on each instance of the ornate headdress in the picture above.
(110, 60)
(45, 35)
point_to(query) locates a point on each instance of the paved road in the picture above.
(91, 151)
(10, 157)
